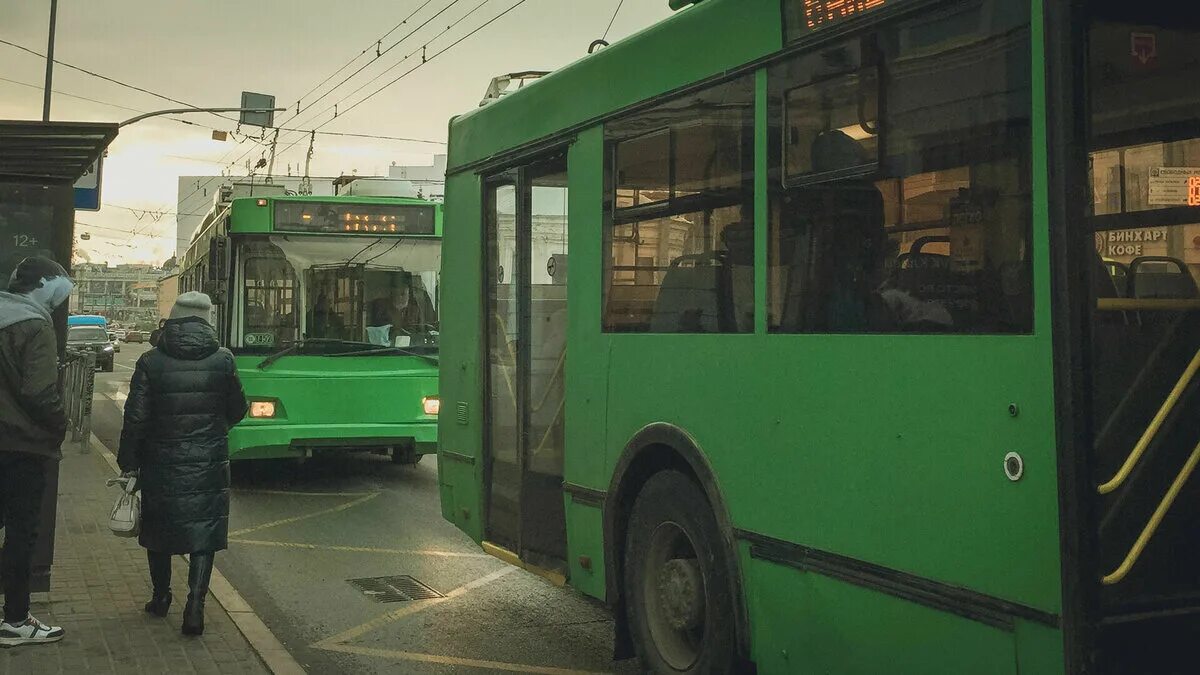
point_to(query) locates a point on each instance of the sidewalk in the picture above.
(99, 583)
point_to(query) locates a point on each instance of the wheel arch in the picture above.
(657, 447)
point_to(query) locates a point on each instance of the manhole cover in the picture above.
(394, 589)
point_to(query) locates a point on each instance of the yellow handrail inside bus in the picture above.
(1146, 304)
(1163, 506)
(1152, 430)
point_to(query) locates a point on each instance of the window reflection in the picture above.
(680, 249)
(914, 215)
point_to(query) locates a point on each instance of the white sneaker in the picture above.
(28, 632)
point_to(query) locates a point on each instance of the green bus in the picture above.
(330, 306)
(878, 352)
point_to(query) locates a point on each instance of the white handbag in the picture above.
(126, 517)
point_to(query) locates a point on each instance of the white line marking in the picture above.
(411, 608)
(357, 549)
(121, 365)
(455, 661)
(306, 516)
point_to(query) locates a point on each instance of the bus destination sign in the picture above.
(804, 16)
(334, 218)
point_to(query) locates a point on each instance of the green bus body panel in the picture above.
(461, 372)
(692, 45)
(356, 401)
(884, 448)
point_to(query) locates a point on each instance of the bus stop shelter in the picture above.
(39, 165)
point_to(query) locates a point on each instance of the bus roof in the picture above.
(696, 43)
(355, 199)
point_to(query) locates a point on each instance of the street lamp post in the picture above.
(181, 111)
(50, 60)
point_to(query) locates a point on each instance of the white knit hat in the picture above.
(192, 303)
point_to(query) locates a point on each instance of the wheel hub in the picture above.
(681, 593)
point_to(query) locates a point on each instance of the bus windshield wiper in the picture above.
(381, 351)
(300, 344)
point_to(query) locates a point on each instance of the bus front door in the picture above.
(526, 229)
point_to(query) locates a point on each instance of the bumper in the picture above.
(262, 440)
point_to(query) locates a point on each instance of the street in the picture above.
(300, 532)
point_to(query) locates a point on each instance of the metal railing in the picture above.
(77, 372)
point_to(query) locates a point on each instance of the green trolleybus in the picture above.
(878, 349)
(330, 306)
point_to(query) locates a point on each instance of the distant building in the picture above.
(197, 194)
(429, 180)
(127, 293)
(168, 290)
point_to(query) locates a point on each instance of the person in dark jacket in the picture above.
(33, 423)
(183, 398)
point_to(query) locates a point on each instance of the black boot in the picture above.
(199, 573)
(160, 578)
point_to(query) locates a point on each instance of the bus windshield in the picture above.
(346, 293)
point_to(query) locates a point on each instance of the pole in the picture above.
(180, 111)
(50, 60)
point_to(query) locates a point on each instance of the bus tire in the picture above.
(677, 580)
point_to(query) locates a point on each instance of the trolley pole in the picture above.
(50, 60)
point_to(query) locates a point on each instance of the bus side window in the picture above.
(679, 241)
(903, 203)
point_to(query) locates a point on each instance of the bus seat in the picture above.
(739, 257)
(1161, 277)
(688, 300)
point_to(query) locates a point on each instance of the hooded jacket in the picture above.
(33, 419)
(183, 398)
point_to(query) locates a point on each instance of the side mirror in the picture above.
(218, 258)
(218, 269)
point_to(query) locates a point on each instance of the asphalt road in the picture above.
(300, 532)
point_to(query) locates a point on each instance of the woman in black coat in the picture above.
(183, 398)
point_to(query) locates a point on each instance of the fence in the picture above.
(78, 374)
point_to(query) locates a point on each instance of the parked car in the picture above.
(94, 338)
(135, 336)
(120, 332)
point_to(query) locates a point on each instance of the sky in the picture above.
(206, 52)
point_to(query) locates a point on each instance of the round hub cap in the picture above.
(681, 593)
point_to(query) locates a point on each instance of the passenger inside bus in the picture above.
(406, 311)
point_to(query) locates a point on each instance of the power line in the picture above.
(434, 56)
(363, 67)
(612, 20)
(351, 61)
(380, 54)
(113, 80)
(424, 60)
(95, 100)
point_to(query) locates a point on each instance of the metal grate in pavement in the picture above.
(394, 589)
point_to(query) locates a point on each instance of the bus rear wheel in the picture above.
(677, 580)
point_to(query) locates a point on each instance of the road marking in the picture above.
(303, 494)
(455, 661)
(306, 516)
(357, 549)
(118, 397)
(411, 608)
(121, 365)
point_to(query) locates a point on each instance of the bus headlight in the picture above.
(262, 409)
(432, 405)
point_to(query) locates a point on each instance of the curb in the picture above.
(270, 650)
